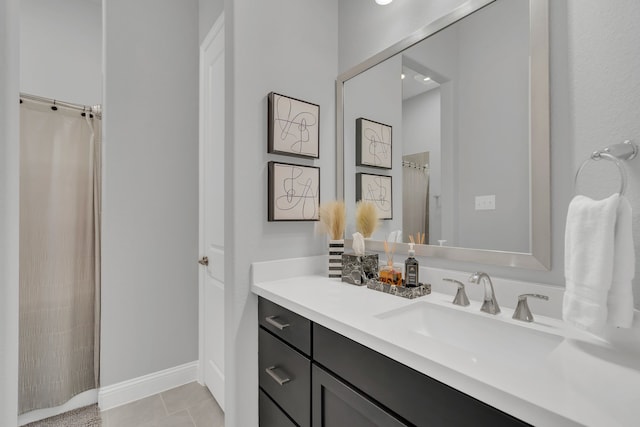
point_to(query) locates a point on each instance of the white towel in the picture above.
(588, 260)
(620, 299)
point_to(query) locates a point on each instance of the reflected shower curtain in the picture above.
(59, 255)
(415, 201)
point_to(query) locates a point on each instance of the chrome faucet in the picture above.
(490, 304)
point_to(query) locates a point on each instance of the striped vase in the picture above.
(336, 249)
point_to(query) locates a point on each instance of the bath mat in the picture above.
(89, 416)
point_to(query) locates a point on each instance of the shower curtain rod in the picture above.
(413, 165)
(95, 109)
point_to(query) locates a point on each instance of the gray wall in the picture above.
(367, 28)
(442, 51)
(603, 96)
(61, 50)
(376, 95)
(150, 189)
(9, 186)
(492, 126)
(594, 98)
(149, 296)
(291, 47)
(421, 132)
(421, 124)
(208, 12)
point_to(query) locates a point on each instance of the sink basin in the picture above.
(484, 338)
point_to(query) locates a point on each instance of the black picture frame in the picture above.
(374, 143)
(293, 126)
(377, 189)
(293, 192)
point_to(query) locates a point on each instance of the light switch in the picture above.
(486, 203)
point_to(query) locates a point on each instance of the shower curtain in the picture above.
(60, 179)
(415, 196)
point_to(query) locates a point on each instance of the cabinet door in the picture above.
(270, 414)
(335, 404)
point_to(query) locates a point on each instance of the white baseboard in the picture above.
(81, 400)
(138, 388)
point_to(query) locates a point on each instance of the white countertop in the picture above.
(598, 386)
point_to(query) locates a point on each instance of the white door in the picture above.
(212, 211)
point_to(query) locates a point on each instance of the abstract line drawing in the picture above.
(293, 126)
(373, 144)
(294, 192)
(376, 189)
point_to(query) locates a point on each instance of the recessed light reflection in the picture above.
(422, 78)
(383, 2)
(402, 76)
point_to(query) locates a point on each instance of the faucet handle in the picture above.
(461, 296)
(522, 311)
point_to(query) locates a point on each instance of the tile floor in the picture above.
(190, 405)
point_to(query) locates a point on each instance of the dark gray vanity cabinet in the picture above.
(320, 378)
(284, 362)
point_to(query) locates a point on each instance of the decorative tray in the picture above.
(401, 291)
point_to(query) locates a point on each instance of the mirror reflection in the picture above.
(458, 104)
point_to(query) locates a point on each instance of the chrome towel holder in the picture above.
(626, 150)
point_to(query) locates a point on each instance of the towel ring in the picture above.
(599, 155)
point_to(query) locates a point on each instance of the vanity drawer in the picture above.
(415, 397)
(285, 375)
(270, 414)
(337, 404)
(285, 324)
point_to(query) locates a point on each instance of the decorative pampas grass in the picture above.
(366, 218)
(333, 218)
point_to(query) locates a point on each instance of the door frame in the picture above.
(9, 216)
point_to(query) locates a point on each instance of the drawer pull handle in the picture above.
(276, 377)
(272, 321)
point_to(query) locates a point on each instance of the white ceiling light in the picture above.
(383, 2)
(423, 79)
(402, 76)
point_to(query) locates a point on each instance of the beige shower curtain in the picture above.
(415, 195)
(59, 254)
